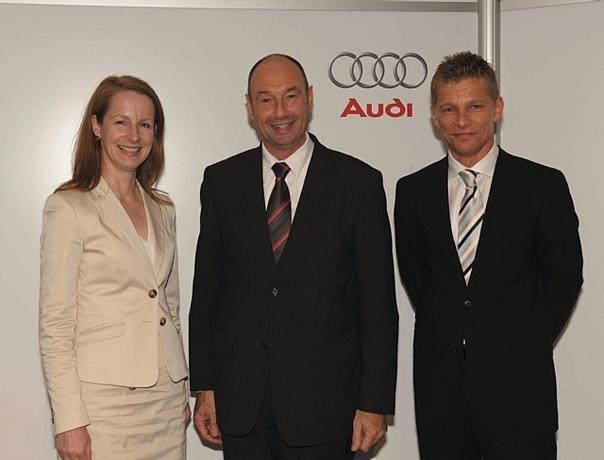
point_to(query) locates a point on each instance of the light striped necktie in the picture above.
(279, 211)
(471, 214)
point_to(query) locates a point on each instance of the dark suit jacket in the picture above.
(525, 280)
(323, 320)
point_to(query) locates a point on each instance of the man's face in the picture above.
(279, 106)
(465, 114)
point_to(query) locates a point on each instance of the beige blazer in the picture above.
(104, 307)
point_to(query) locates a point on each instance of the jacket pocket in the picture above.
(100, 332)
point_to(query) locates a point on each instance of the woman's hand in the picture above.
(187, 414)
(74, 444)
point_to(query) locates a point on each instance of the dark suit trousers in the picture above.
(264, 442)
(469, 438)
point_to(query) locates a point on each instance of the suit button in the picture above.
(467, 303)
(456, 350)
(263, 346)
(275, 291)
(152, 293)
(162, 321)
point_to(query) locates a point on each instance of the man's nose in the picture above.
(462, 118)
(280, 108)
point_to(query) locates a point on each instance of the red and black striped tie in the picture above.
(279, 210)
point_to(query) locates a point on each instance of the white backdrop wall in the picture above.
(552, 73)
(52, 57)
(197, 60)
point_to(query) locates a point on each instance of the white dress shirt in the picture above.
(298, 164)
(485, 169)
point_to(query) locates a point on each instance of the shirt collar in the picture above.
(486, 166)
(295, 161)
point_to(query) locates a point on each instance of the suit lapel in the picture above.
(251, 198)
(107, 200)
(318, 185)
(316, 190)
(437, 199)
(494, 217)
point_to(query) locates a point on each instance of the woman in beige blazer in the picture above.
(110, 335)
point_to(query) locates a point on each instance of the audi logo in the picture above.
(387, 71)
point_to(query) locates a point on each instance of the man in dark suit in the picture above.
(293, 323)
(489, 253)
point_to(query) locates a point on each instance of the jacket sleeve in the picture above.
(377, 303)
(407, 247)
(207, 281)
(61, 248)
(559, 252)
(172, 284)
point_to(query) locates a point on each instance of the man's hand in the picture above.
(204, 417)
(367, 429)
(74, 444)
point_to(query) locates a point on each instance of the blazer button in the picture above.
(152, 293)
(467, 303)
(162, 321)
(263, 346)
(275, 291)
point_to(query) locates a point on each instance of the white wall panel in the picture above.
(552, 82)
(52, 57)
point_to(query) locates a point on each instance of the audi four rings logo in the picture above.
(390, 70)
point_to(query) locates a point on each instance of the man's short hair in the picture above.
(460, 66)
(268, 56)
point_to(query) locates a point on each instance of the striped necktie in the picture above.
(471, 214)
(279, 210)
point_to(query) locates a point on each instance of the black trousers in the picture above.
(469, 438)
(264, 442)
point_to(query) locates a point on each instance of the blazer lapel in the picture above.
(251, 198)
(157, 231)
(107, 200)
(318, 185)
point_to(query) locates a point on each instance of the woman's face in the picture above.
(126, 132)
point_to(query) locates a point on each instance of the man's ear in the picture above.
(248, 107)
(434, 117)
(498, 109)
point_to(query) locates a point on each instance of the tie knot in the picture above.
(469, 177)
(280, 170)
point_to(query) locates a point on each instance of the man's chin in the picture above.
(288, 144)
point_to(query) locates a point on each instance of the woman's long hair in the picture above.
(87, 149)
